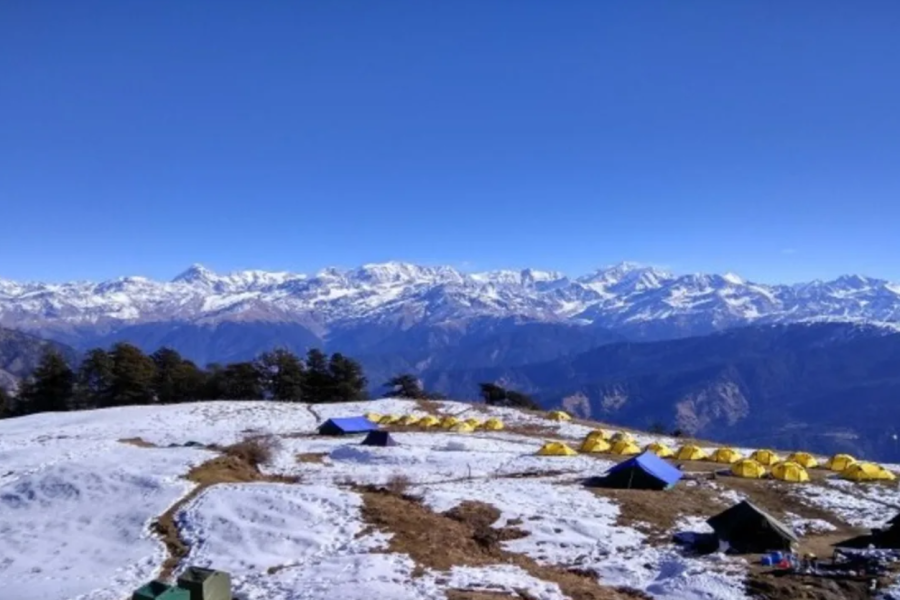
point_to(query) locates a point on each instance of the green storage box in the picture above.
(206, 584)
(157, 590)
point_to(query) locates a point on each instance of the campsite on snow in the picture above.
(425, 500)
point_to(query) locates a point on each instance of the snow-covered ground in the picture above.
(76, 506)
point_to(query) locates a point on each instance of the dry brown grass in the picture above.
(311, 457)
(655, 513)
(464, 536)
(255, 451)
(139, 442)
(429, 406)
(398, 484)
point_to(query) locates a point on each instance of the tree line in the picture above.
(124, 375)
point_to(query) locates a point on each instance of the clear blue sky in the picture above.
(758, 137)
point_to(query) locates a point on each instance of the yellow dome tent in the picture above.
(622, 436)
(448, 422)
(475, 423)
(410, 420)
(659, 449)
(598, 434)
(493, 424)
(462, 427)
(725, 455)
(804, 459)
(556, 449)
(790, 471)
(865, 471)
(389, 419)
(558, 415)
(691, 452)
(428, 421)
(373, 417)
(625, 448)
(748, 468)
(840, 462)
(595, 445)
(766, 457)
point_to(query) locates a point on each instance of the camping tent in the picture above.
(558, 415)
(493, 424)
(840, 462)
(644, 472)
(475, 423)
(373, 416)
(804, 459)
(448, 422)
(790, 471)
(625, 448)
(389, 419)
(690, 452)
(378, 438)
(659, 449)
(598, 433)
(346, 425)
(595, 445)
(747, 528)
(409, 420)
(462, 427)
(765, 457)
(864, 471)
(725, 455)
(622, 436)
(555, 449)
(428, 421)
(748, 468)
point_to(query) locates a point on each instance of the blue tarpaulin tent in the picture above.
(347, 425)
(646, 471)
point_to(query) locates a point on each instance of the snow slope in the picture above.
(76, 507)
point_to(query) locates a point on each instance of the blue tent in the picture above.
(645, 472)
(347, 425)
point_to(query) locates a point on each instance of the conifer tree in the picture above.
(282, 375)
(94, 380)
(6, 408)
(133, 374)
(51, 386)
(405, 385)
(347, 379)
(176, 379)
(318, 384)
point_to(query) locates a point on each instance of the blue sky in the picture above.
(756, 137)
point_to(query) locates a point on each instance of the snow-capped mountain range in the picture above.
(629, 297)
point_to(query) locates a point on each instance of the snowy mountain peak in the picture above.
(196, 273)
(621, 296)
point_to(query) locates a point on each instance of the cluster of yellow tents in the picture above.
(449, 423)
(793, 468)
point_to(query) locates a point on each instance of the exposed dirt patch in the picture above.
(236, 465)
(464, 536)
(429, 406)
(772, 586)
(531, 474)
(317, 458)
(655, 513)
(139, 442)
(532, 429)
(478, 595)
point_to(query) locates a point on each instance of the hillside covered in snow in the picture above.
(93, 504)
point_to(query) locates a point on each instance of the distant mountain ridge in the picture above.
(640, 301)
(827, 387)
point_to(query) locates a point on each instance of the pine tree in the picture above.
(404, 385)
(235, 381)
(6, 408)
(348, 380)
(51, 386)
(495, 395)
(282, 375)
(94, 380)
(318, 384)
(176, 379)
(133, 374)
